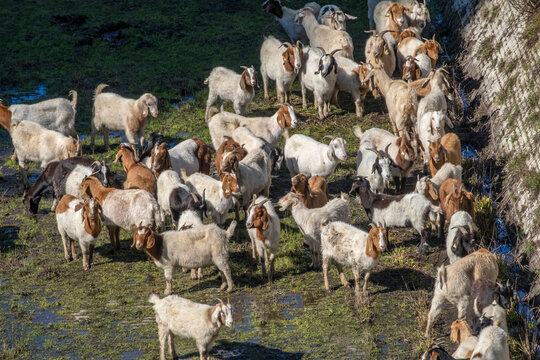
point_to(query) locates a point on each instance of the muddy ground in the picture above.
(53, 309)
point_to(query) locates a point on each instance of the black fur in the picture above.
(181, 200)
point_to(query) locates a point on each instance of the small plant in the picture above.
(485, 218)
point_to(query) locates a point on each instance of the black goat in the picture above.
(154, 139)
(181, 200)
(55, 176)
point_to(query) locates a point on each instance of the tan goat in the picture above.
(312, 192)
(138, 176)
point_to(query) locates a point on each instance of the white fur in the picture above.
(365, 159)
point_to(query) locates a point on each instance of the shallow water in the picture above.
(21, 96)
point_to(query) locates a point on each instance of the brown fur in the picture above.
(229, 166)
(63, 204)
(5, 116)
(438, 156)
(163, 159)
(245, 82)
(138, 176)
(422, 87)
(312, 192)
(431, 48)
(413, 70)
(92, 187)
(137, 119)
(455, 198)
(283, 117)
(226, 146)
(229, 185)
(204, 155)
(431, 193)
(221, 317)
(363, 71)
(405, 147)
(395, 11)
(452, 144)
(460, 331)
(261, 221)
(373, 249)
(92, 225)
(152, 242)
(288, 57)
(405, 34)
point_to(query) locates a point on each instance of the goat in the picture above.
(446, 150)
(285, 16)
(401, 100)
(411, 210)
(453, 201)
(335, 19)
(453, 283)
(319, 74)
(348, 245)
(282, 67)
(460, 238)
(430, 128)
(268, 128)
(264, 230)
(377, 51)
(418, 14)
(193, 248)
(431, 48)
(228, 146)
(114, 112)
(349, 78)
(33, 142)
(461, 334)
(312, 192)
(401, 151)
(421, 52)
(309, 220)
(219, 194)
(411, 71)
(309, 157)
(54, 114)
(324, 37)
(485, 293)
(227, 85)
(430, 186)
(436, 352)
(138, 176)
(65, 177)
(492, 343)
(122, 208)
(69, 213)
(176, 316)
(390, 16)
(374, 165)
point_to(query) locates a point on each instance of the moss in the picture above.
(532, 32)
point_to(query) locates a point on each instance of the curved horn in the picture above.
(204, 195)
(244, 67)
(299, 44)
(194, 197)
(221, 301)
(372, 225)
(372, 32)
(376, 152)
(328, 137)
(334, 51)
(323, 51)
(386, 31)
(386, 150)
(462, 229)
(253, 199)
(287, 43)
(472, 226)
(263, 202)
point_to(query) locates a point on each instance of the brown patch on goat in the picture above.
(161, 161)
(405, 34)
(460, 331)
(63, 204)
(92, 225)
(221, 317)
(413, 70)
(229, 185)
(455, 198)
(204, 155)
(312, 192)
(5, 116)
(228, 145)
(229, 166)
(260, 221)
(362, 71)
(431, 48)
(395, 11)
(92, 187)
(245, 82)
(146, 238)
(283, 117)
(452, 144)
(385, 200)
(288, 59)
(373, 248)
(405, 148)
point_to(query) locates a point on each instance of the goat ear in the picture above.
(78, 207)
(265, 220)
(243, 81)
(433, 192)
(118, 157)
(143, 108)
(281, 120)
(216, 313)
(151, 241)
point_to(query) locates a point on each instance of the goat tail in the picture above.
(230, 229)
(286, 134)
(435, 215)
(99, 89)
(74, 95)
(357, 131)
(205, 82)
(441, 276)
(153, 299)
(183, 174)
(211, 112)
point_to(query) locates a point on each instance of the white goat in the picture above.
(264, 230)
(348, 79)
(418, 14)
(430, 128)
(219, 194)
(378, 52)
(268, 128)
(307, 156)
(280, 66)
(193, 248)
(54, 114)
(454, 283)
(33, 142)
(286, 16)
(176, 316)
(114, 112)
(460, 236)
(324, 36)
(319, 75)
(374, 165)
(492, 344)
(79, 220)
(188, 220)
(348, 245)
(309, 220)
(227, 85)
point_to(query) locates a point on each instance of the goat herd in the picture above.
(162, 182)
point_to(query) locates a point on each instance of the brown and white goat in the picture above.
(138, 176)
(312, 192)
(454, 198)
(160, 160)
(228, 146)
(69, 213)
(461, 334)
(122, 208)
(390, 16)
(431, 48)
(411, 70)
(447, 150)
